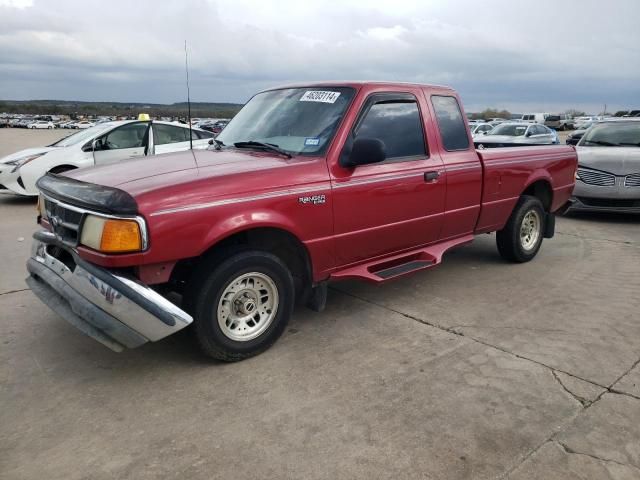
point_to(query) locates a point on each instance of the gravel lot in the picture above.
(478, 369)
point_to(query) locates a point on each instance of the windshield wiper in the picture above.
(602, 142)
(630, 144)
(266, 146)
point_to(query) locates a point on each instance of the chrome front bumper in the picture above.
(114, 309)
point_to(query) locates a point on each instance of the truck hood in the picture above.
(175, 179)
(128, 171)
(25, 153)
(617, 160)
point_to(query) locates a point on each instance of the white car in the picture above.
(42, 124)
(83, 124)
(534, 117)
(507, 134)
(107, 142)
(480, 129)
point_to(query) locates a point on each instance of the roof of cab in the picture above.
(357, 84)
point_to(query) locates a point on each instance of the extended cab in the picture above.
(306, 185)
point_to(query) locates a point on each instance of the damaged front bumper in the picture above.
(114, 309)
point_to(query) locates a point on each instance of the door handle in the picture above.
(431, 176)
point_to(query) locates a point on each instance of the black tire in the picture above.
(511, 245)
(207, 286)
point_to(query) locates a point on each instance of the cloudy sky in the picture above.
(542, 55)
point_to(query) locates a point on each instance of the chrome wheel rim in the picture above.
(247, 306)
(530, 230)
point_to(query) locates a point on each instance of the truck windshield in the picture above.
(297, 120)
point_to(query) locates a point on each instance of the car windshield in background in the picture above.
(612, 135)
(509, 130)
(298, 120)
(83, 135)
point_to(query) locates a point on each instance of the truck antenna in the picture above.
(186, 68)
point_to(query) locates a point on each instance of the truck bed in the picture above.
(507, 172)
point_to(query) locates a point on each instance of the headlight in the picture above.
(19, 162)
(111, 235)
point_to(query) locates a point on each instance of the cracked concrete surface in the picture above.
(475, 370)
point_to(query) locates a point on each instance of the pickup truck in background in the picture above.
(307, 184)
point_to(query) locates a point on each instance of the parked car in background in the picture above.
(582, 123)
(574, 137)
(560, 121)
(608, 177)
(105, 143)
(534, 117)
(219, 126)
(83, 124)
(480, 129)
(511, 133)
(41, 124)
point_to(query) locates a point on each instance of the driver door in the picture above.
(121, 143)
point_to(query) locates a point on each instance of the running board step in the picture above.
(396, 266)
(403, 268)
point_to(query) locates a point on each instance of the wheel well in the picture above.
(62, 168)
(542, 190)
(281, 243)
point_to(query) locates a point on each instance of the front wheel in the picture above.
(521, 238)
(241, 305)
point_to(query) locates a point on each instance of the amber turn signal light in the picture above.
(111, 235)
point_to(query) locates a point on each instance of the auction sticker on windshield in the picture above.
(319, 96)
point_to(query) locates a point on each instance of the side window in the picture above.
(163, 134)
(485, 128)
(452, 129)
(130, 135)
(397, 123)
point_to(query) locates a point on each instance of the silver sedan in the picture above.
(608, 177)
(517, 133)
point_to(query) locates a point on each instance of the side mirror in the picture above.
(528, 134)
(365, 151)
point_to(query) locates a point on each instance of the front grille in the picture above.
(632, 180)
(64, 222)
(610, 202)
(595, 177)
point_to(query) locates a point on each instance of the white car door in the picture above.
(175, 138)
(127, 141)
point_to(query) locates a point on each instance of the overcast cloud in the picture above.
(543, 55)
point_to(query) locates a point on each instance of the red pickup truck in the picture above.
(307, 184)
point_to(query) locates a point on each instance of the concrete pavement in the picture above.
(478, 369)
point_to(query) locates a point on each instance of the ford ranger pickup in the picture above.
(307, 184)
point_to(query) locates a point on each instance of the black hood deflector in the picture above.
(94, 197)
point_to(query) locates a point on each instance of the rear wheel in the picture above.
(241, 304)
(521, 238)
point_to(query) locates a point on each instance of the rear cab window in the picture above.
(453, 131)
